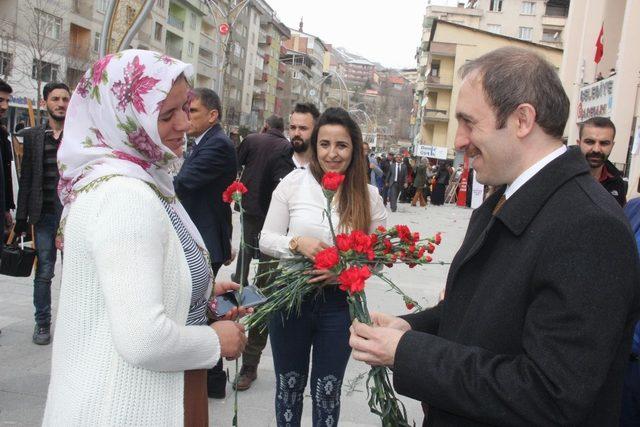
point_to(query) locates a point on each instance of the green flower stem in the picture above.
(397, 290)
(234, 422)
(329, 196)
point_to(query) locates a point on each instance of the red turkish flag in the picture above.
(599, 46)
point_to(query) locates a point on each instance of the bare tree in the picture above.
(41, 41)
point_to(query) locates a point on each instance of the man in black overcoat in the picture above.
(541, 299)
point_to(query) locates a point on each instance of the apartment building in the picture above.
(449, 47)
(69, 31)
(617, 94)
(268, 94)
(306, 54)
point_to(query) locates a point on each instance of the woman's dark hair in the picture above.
(353, 198)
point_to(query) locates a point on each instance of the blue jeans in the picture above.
(323, 324)
(45, 239)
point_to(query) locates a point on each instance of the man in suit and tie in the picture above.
(208, 170)
(396, 180)
(536, 324)
(38, 202)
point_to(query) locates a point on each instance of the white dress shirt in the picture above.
(297, 164)
(530, 173)
(198, 139)
(297, 209)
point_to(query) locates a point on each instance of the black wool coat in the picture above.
(541, 302)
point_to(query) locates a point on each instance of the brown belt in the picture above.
(196, 403)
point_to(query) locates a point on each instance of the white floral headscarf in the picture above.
(111, 127)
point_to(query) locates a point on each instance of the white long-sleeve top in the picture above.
(121, 344)
(297, 209)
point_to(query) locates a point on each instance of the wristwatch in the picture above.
(293, 244)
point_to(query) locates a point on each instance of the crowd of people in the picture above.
(537, 324)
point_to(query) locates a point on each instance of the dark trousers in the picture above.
(394, 192)
(252, 225)
(258, 338)
(322, 327)
(630, 413)
(45, 238)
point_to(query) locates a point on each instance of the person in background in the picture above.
(132, 340)
(420, 181)
(296, 225)
(301, 122)
(6, 179)
(596, 139)
(441, 182)
(266, 159)
(38, 202)
(396, 180)
(205, 174)
(373, 170)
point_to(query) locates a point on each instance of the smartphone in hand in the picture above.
(251, 297)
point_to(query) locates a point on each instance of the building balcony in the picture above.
(282, 68)
(554, 21)
(265, 40)
(432, 115)
(435, 82)
(175, 22)
(443, 49)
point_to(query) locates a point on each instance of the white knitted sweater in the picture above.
(121, 345)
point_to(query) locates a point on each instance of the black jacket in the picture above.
(541, 301)
(615, 184)
(205, 174)
(31, 172)
(6, 157)
(402, 174)
(266, 159)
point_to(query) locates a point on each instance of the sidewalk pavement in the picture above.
(24, 366)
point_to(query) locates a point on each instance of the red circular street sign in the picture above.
(224, 29)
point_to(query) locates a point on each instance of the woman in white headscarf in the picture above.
(131, 342)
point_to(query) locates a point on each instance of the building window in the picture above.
(528, 8)
(101, 5)
(50, 25)
(495, 6)
(5, 63)
(551, 36)
(494, 28)
(190, 47)
(435, 68)
(526, 33)
(46, 72)
(96, 42)
(194, 21)
(158, 32)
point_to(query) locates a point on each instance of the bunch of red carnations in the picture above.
(354, 258)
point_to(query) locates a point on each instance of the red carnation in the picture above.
(421, 251)
(416, 236)
(430, 248)
(343, 242)
(428, 258)
(409, 302)
(331, 181)
(234, 192)
(352, 279)
(374, 238)
(403, 232)
(328, 258)
(410, 305)
(412, 249)
(360, 242)
(381, 229)
(438, 238)
(387, 245)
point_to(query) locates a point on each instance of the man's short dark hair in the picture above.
(307, 108)
(275, 122)
(50, 87)
(210, 99)
(512, 76)
(5, 87)
(598, 122)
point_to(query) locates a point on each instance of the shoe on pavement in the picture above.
(248, 374)
(216, 384)
(42, 335)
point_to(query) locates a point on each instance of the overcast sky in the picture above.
(383, 31)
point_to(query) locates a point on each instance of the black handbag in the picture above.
(17, 260)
